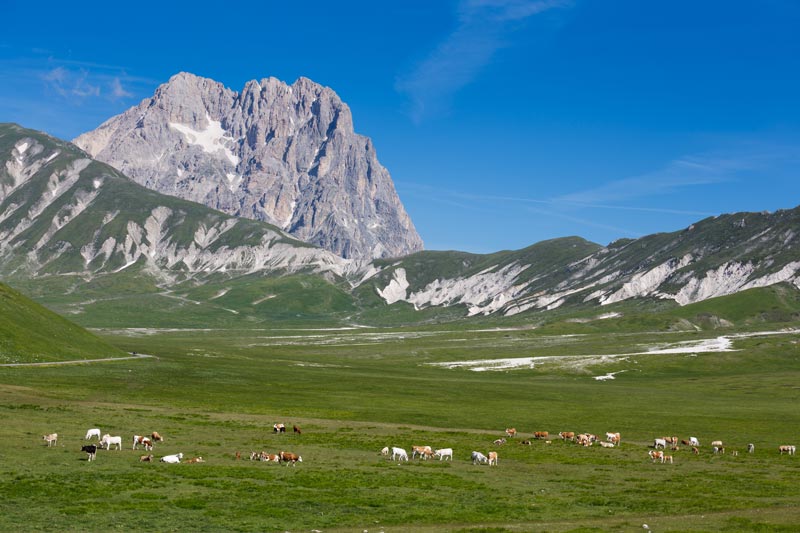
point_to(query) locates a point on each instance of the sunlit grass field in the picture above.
(212, 393)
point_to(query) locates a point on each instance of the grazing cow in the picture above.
(585, 439)
(399, 454)
(526, 442)
(695, 450)
(292, 458)
(656, 455)
(297, 430)
(786, 448)
(718, 449)
(751, 448)
(144, 441)
(693, 441)
(444, 453)
(270, 457)
(92, 433)
(91, 450)
(385, 450)
(717, 443)
(671, 440)
(667, 459)
(196, 460)
(541, 435)
(492, 458)
(499, 442)
(146, 458)
(422, 451)
(51, 439)
(659, 443)
(478, 458)
(567, 435)
(172, 459)
(511, 432)
(613, 438)
(278, 428)
(107, 441)
(156, 437)
(606, 444)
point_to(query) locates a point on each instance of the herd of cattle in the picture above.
(108, 442)
(612, 439)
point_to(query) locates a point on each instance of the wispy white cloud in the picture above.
(117, 90)
(484, 27)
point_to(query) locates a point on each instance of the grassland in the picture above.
(215, 392)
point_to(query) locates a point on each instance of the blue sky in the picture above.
(502, 122)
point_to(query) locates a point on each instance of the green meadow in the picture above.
(213, 393)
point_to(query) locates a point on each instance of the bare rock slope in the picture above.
(284, 154)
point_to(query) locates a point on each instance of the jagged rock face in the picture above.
(285, 154)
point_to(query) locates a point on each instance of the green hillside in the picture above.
(30, 333)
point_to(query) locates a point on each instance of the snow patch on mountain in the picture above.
(212, 139)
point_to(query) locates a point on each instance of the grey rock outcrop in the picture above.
(284, 154)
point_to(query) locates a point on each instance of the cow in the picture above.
(278, 428)
(444, 453)
(91, 450)
(172, 459)
(671, 440)
(525, 442)
(296, 430)
(585, 439)
(196, 460)
(385, 450)
(422, 451)
(511, 432)
(718, 449)
(399, 454)
(492, 458)
(656, 455)
(667, 459)
(659, 443)
(107, 441)
(751, 448)
(270, 457)
(144, 441)
(292, 458)
(51, 439)
(786, 448)
(95, 432)
(146, 458)
(237, 456)
(693, 441)
(717, 443)
(478, 458)
(606, 444)
(567, 435)
(541, 435)
(155, 437)
(695, 450)
(685, 442)
(500, 442)
(613, 438)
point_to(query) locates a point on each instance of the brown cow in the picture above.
(297, 430)
(541, 435)
(567, 435)
(289, 457)
(146, 458)
(492, 458)
(511, 432)
(156, 437)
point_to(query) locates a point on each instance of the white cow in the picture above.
(51, 439)
(94, 432)
(385, 450)
(693, 441)
(444, 452)
(172, 458)
(787, 448)
(399, 454)
(478, 458)
(492, 458)
(659, 442)
(107, 441)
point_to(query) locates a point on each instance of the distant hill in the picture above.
(30, 333)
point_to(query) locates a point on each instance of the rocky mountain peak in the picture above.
(285, 154)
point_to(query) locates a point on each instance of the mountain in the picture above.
(714, 257)
(81, 237)
(30, 333)
(284, 154)
(63, 213)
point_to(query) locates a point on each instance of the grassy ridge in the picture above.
(31, 333)
(212, 393)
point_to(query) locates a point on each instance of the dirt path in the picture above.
(81, 361)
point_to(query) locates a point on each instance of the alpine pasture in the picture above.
(213, 393)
